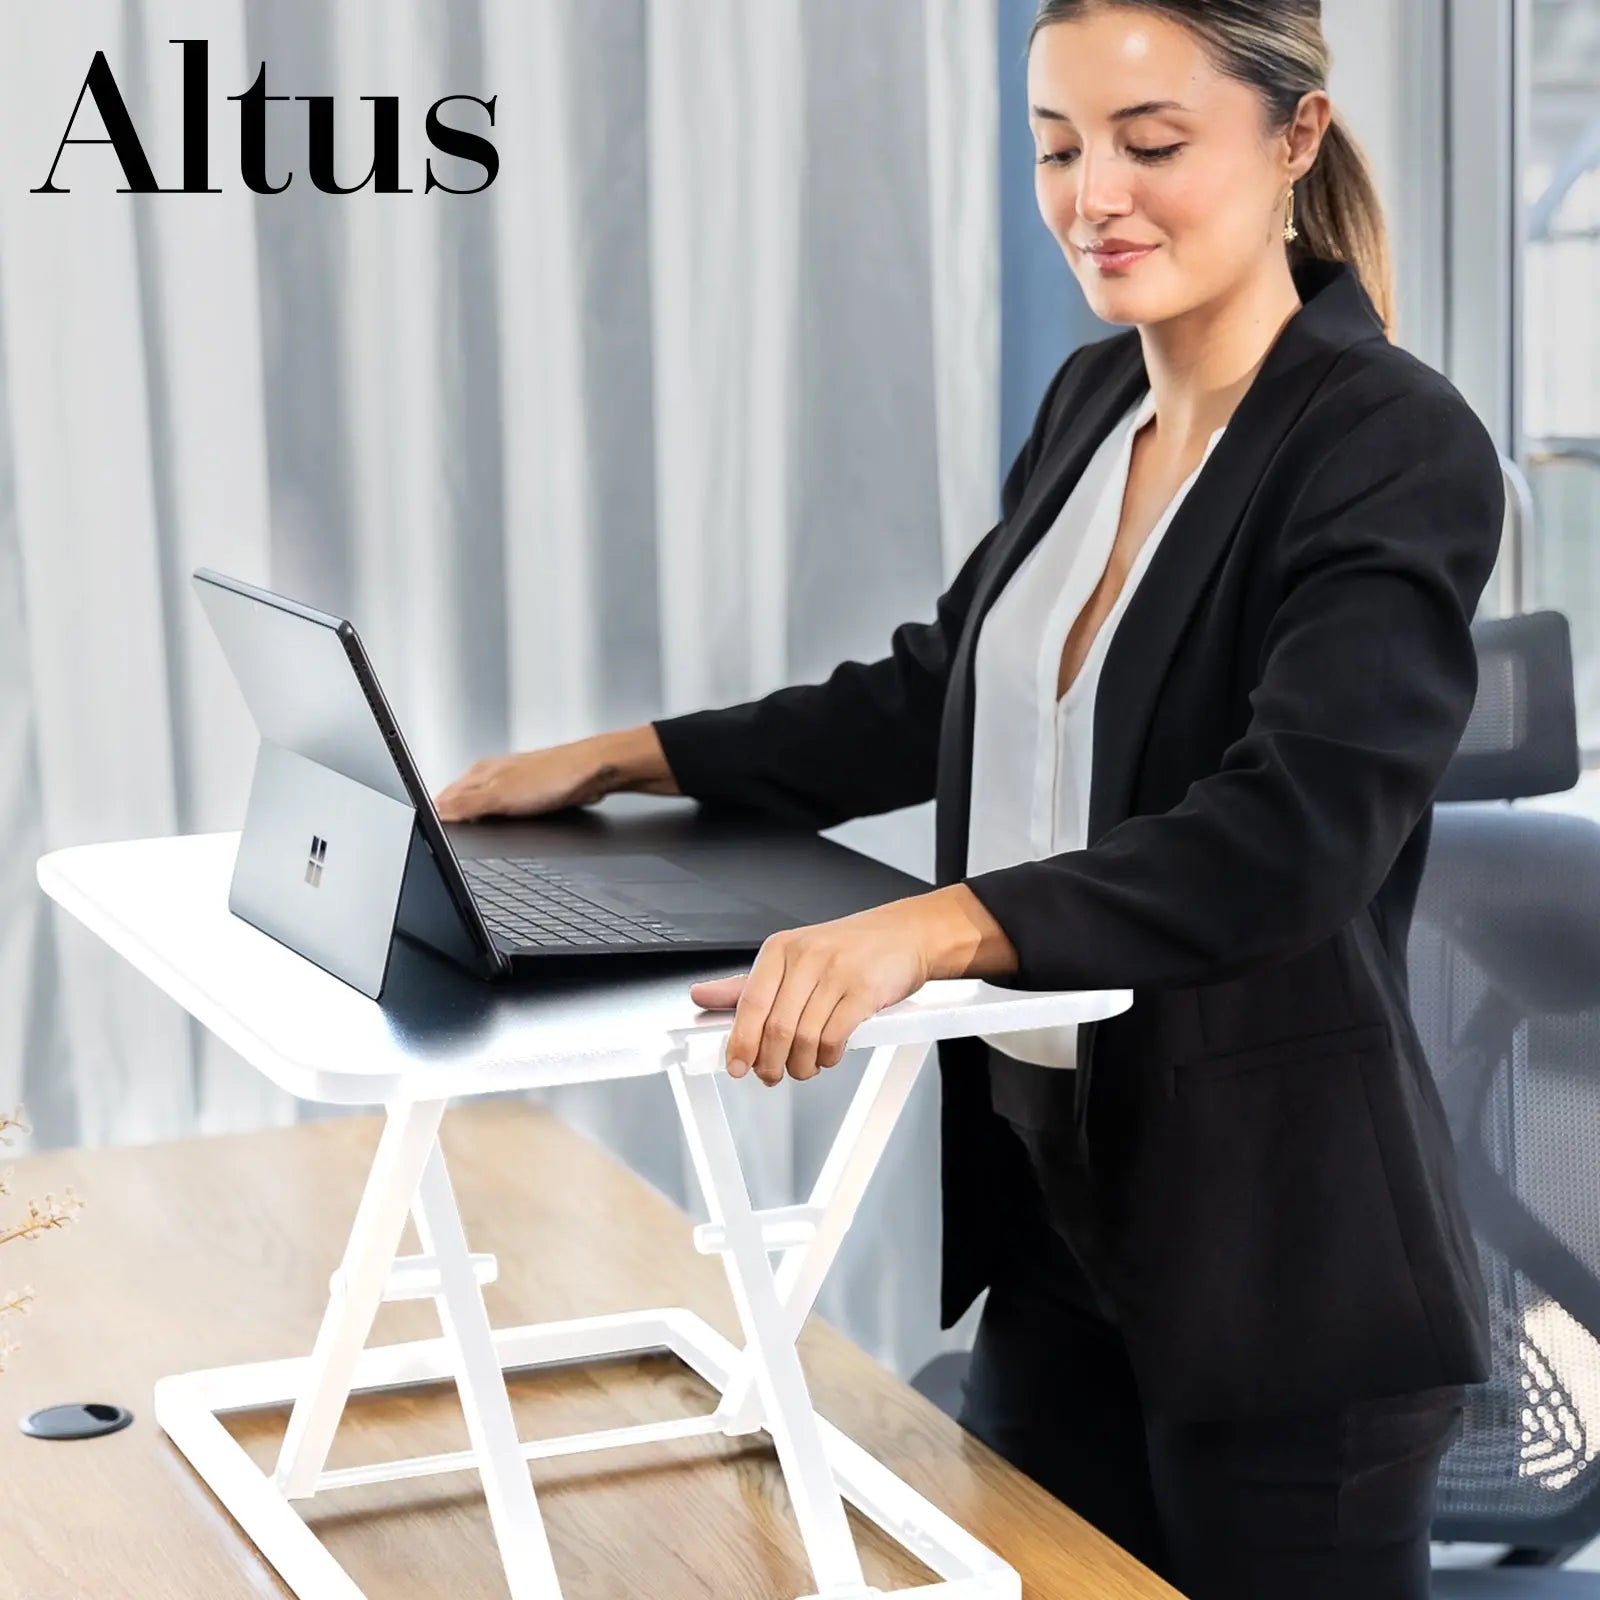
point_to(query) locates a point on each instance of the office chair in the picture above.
(1503, 969)
(1504, 972)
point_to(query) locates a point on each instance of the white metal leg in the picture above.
(491, 1428)
(408, 1136)
(835, 1197)
(761, 1385)
(787, 1410)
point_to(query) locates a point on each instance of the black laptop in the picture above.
(342, 848)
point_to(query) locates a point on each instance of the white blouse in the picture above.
(1031, 753)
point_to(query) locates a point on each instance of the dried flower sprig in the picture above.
(54, 1212)
(13, 1300)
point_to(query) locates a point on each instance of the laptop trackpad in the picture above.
(651, 884)
(676, 899)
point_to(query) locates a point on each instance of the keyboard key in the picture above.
(534, 901)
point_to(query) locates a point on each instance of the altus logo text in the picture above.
(383, 176)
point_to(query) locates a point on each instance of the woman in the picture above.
(1233, 1297)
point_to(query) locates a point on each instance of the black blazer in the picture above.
(1267, 1183)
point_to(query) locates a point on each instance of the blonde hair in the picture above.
(1277, 48)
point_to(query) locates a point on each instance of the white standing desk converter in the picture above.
(438, 1034)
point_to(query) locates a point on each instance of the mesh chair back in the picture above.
(1522, 736)
(1504, 973)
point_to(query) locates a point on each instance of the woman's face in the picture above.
(1190, 176)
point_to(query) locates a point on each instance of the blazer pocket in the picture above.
(1257, 1243)
(1279, 1053)
(1310, 994)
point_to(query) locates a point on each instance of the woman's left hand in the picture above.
(811, 987)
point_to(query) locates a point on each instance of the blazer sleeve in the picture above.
(865, 740)
(1366, 680)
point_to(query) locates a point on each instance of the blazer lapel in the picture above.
(1060, 467)
(1153, 623)
(1064, 462)
(1335, 313)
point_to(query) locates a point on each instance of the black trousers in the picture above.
(1334, 1503)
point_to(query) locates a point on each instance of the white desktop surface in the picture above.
(163, 905)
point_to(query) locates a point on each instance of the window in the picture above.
(1557, 398)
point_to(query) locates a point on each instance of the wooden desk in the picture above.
(196, 1254)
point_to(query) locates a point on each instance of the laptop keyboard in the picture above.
(533, 903)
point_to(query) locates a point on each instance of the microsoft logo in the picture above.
(319, 851)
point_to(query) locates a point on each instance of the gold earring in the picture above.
(1289, 233)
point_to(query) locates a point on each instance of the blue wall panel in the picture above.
(1043, 315)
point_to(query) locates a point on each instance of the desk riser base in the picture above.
(187, 1408)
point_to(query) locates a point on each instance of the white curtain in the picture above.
(700, 397)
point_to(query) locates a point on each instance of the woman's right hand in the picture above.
(530, 782)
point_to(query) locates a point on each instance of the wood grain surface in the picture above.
(216, 1251)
